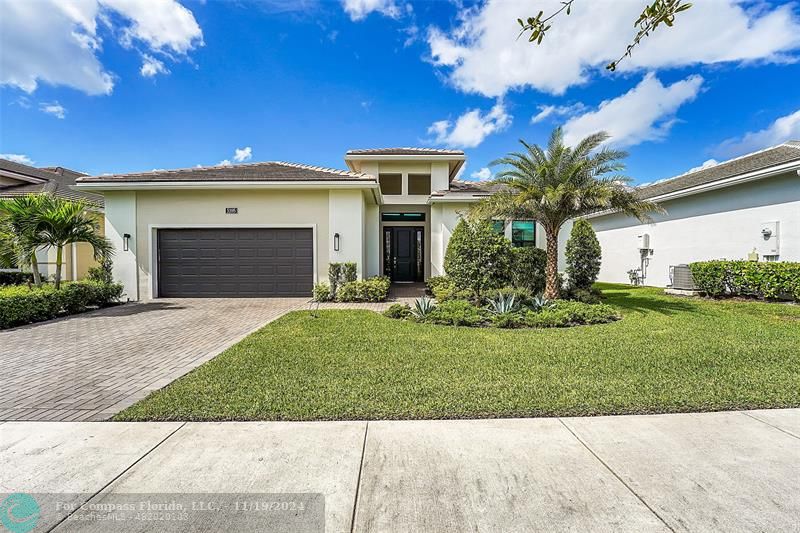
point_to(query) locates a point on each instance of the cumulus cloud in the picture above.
(152, 66)
(481, 54)
(240, 155)
(783, 129)
(53, 108)
(22, 159)
(547, 111)
(483, 174)
(470, 129)
(224, 163)
(359, 9)
(645, 113)
(706, 164)
(57, 41)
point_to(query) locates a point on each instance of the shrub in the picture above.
(455, 313)
(422, 308)
(508, 320)
(521, 295)
(398, 311)
(322, 292)
(477, 259)
(527, 269)
(15, 278)
(102, 273)
(583, 255)
(440, 285)
(562, 313)
(369, 290)
(747, 278)
(503, 304)
(349, 272)
(587, 296)
(23, 305)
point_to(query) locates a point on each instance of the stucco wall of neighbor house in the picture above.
(257, 207)
(724, 223)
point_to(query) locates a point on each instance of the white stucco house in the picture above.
(748, 207)
(271, 229)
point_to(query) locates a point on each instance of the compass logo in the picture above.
(19, 513)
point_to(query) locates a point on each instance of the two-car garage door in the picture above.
(240, 262)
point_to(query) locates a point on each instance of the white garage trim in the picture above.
(152, 243)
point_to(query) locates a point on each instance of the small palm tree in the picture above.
(18, 239)
(560, 183)
(60, 222)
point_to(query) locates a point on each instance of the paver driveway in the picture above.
(93, 365)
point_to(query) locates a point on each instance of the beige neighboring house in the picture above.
(17, 180)
(273, 228)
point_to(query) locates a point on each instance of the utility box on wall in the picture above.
(768, 241)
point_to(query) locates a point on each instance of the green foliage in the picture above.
(527, 268)
(335, 277)
(503, 304)
(22, 305)
(455, 313)
(587, 296)
(443, 288)
(102, 273)
(508, 320)
(349, 272)
(477, 259)
(583, 255)
(15, 278)
(322, 292)
(747, 278)
(563, 313)
(369, 290)
(398, 311)
(521, 296)
(422, 308)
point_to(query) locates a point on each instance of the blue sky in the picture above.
(108, 86)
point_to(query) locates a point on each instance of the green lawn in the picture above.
(668, 354)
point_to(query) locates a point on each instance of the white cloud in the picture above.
(224, 163)
(482, 54)
(645, 113)
(240, 155)
(359, 9)
(152, 66)
(546, 111)
(784, 129)
(57, 41)
(471, 128)
(53, 108)
(483, 174)
(706, 164)
(22, 159)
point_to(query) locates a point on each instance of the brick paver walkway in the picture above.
(93, 365)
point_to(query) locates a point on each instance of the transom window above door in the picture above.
(403, 217)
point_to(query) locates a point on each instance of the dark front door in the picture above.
(404, 253)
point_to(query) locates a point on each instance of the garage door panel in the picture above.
(235, 262)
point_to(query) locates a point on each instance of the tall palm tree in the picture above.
(18, 238)
(60, 222)
(559, 183)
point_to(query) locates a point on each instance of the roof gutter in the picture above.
(714, 185)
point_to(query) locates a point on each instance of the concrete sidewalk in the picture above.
(733, 471)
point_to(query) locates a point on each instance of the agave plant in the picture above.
(539, 302)
(422, 307)
(503, 303)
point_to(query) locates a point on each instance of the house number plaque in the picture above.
(231, 210)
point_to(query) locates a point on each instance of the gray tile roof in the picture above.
(405, 151)
(58, 183)
(777, 155)
(466, 188)
(267, 171)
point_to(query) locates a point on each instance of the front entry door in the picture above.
(405, 253)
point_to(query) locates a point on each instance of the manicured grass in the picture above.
(668, 354)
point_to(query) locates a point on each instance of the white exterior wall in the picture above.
(120, 213)
(444, 218)
(720, 224)
(372, 244)
(347, 218)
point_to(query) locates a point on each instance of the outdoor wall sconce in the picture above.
(126, 239)
(335, 242)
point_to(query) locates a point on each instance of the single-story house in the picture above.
(748, 207)
(273, 228)
(17, 180)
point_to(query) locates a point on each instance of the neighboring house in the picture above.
(17, 179)
(745, 207)
(272, 229)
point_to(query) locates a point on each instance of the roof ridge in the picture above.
(410, 148)
(324, 169)
(200, 168)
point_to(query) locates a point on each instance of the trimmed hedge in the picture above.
(747, 278)
(15, 278)
(369, 290)
(22, 305)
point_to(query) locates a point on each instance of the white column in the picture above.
(347, 218)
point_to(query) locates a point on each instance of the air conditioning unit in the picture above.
(681, 276)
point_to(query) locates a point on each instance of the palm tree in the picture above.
(17, 236)
(560, 183)
(60, 222)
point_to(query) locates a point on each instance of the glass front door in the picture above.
(404, 253)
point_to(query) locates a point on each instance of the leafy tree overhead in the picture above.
(17, 232)
(559, 183)
(583, 255)
(653, 15)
